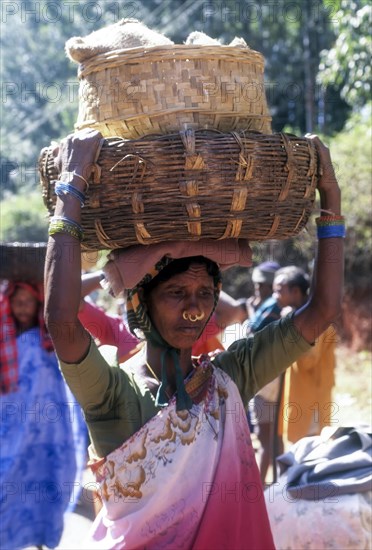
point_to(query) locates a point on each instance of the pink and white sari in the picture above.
(186, 479)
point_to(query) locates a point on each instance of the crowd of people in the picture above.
(176, 407)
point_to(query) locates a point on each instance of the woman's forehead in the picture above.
(195, 272)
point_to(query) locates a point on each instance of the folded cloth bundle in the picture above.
(126, 267)
(317, 468)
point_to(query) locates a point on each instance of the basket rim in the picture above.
(137, 116)
(147, 54)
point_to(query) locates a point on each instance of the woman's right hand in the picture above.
(77, 153)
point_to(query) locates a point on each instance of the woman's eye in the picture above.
(176, 293)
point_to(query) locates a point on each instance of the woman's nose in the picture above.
(193, 304)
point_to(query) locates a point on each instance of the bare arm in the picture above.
(324, 305)
(90, 282)
(229, 311)
(63, 263)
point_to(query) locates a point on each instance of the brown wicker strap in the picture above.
(102, 237)
(232, 230)
(274, 227)
(313, 168)
(190, 188)
(246, 161)
(43, 170)
(143, 236)
(300, 219)
(240, 193)
(290, 168)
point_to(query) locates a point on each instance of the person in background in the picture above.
(262, 308)
(113, 330)
(107, 329)
(43, 438)
(263, 408)
(306, 401)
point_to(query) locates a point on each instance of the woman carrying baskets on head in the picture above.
(170, 441)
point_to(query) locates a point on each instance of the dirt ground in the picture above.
(353, 390)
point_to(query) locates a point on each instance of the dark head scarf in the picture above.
(140, 324)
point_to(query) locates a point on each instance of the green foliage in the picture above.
(351, 154)
(347, 65)
(23, 219)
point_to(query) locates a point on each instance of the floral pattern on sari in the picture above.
(186, 478)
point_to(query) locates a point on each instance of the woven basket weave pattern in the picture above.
(132, 93)
(195, 185)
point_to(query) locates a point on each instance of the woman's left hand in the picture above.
(327, 178)
(329, 190)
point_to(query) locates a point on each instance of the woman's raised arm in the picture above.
(74, 159)
(324, 305)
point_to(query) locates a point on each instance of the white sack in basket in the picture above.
(127, 33)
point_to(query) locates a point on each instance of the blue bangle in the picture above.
(329, 231)
(62, 188)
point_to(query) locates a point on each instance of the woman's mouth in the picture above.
(191, 329)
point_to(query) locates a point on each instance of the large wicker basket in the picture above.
(195, 185)
(22, 261)
(136, 92)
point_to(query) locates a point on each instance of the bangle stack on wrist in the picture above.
(61, 224)
(67, 177)
(330, 227)
(63, 186)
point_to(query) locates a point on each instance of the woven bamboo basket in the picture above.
(22, 261)
(140, 91)
(193, 185)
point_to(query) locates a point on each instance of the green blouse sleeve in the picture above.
(96, 384)
(254, 361)
(115, 406)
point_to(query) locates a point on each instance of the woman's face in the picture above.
(191, 291)
(24, 308)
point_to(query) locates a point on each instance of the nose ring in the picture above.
(193, 318)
